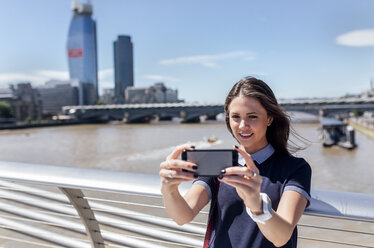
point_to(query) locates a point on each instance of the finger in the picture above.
(173, 174)
(242, 180)
(248, 159)
(236, 170)
(239, 185)
(177, 164)
(241, 171)
(173, 181)
(250, 175)
(178, 150)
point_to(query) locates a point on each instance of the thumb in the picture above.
(248, 159)
(178, 150)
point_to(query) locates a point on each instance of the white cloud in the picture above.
(106, 73)
(257, 74)
(51, 74)
(9, 78)
(161, 78)
(357, 38)
(105, 85)
(36, 78)
(210, 61)
(39, 77)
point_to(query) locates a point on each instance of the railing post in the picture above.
(87, 216)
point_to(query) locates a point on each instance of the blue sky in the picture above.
(320, 48)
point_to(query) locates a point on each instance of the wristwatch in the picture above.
(266, 208)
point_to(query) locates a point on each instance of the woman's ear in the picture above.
(270, 120)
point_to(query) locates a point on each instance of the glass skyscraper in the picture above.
(82, 52)
(123, 66)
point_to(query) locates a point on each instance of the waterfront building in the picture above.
(123, 66)
(82, 52)
(107, 96)
(158, 93)
(25, 101)
(55, 94)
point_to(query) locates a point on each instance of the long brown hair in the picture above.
(277, 133)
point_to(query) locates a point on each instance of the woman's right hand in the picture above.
(174, 171)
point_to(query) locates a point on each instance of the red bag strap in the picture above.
(209, 230)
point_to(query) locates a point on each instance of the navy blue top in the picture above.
(232, 225)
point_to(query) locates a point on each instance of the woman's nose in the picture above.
(243, 123)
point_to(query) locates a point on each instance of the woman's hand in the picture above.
(246, 180)
(174, 171)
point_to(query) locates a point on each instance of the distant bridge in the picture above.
(330, 110)
(135, 113)
(191, 112)
(329, 107)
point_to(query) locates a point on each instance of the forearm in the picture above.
(280, 227)
(277, 230)
(177, 207)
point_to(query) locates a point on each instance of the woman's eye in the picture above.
(252, 117)
(235, 116)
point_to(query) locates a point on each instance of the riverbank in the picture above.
(11, 126)
(367, 131)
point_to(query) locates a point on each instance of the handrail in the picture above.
(334, 204)
(81, 178)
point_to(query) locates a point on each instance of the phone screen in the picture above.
(211, 162)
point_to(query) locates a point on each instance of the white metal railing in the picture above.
(102, 208)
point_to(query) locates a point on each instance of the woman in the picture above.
(259, 203)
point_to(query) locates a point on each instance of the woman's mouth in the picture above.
(245, 135)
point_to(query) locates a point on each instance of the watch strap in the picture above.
(266, 208)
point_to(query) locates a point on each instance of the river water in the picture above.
(141, 147)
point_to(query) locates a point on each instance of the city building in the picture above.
(123, 66)
(24, 100)
(107, 96)
(157, 93)
(55, 94)
(82, 52)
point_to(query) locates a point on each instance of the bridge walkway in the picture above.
(36, 210)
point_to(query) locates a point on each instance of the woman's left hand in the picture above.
(246, 180)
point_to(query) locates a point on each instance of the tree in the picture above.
(100, 102)
(5, 110)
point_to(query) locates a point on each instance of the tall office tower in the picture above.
(82, 52)
(123, 66)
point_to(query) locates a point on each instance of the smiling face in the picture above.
(249, 121)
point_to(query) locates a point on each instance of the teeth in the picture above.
(245, 134)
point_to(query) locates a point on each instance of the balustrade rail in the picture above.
(52, 206)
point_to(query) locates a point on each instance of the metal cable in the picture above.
(140, 215)
(335, 229)
(36, 201)
(22, 231)
(131, 203)
(338, 217)
(30, 242)
(137, 194)
(114, 212)
(336, 242)
(33, 221)
(159, 229)
(141, 205)
(56, 214)
(161, 241)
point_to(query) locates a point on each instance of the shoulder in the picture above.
(289, 166)
(291, 161)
